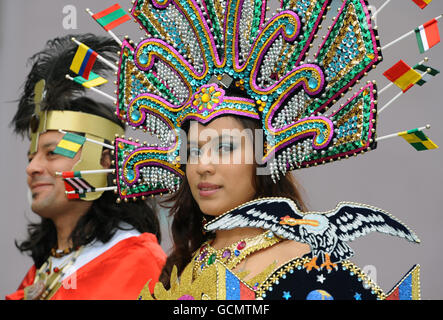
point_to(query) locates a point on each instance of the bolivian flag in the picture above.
(83, 61)
(93, 81)
(70, 145)
(422, 3)
(402, 75)
(111, 17)
(418, 140)
(427, 35)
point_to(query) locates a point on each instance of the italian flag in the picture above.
(427, 35)
(422, 3)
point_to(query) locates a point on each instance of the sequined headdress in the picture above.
(205, 59)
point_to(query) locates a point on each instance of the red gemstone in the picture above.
(241, 245)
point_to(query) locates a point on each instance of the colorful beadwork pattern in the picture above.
(203, 59)
(293, 282)
(147, 170)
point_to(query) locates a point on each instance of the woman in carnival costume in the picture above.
(207, 78)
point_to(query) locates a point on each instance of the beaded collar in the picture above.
(232, 255)
(47, 279)
(61, 253)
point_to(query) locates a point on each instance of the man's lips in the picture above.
(38, 186)
(206, 189)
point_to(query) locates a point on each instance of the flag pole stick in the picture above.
(390, 102)
(94, 141)
(86, 172)
(112, 34)
(404, 36)
(94, 190)
(391, 83)
(95, 90)
(396, 97)
(428, 126)
(380, 9)
(99, 57)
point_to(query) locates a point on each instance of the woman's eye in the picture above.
(225, 148)
(193, 152)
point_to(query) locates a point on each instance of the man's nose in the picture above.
(35, 166)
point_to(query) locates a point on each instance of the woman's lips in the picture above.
(207, 189)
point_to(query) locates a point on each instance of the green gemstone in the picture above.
(211, 259)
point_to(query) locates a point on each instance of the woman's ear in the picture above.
(105, 160)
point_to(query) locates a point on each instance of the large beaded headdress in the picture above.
(207, 58)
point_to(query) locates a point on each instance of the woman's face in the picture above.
(220, 167)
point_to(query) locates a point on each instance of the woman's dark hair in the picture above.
(186, 226)
(105, 216)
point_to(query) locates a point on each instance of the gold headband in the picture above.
(76, 122)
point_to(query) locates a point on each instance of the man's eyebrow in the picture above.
(49, 145)
(46, 146)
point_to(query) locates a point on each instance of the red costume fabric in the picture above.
(119, 273)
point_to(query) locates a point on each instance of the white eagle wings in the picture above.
(325, 232)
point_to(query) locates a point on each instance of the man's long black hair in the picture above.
(105, 216)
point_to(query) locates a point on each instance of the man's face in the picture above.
(48, 191)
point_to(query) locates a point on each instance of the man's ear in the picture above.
(105, 160)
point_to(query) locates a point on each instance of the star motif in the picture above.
(321, 278)
(286, 295)
(357, 296)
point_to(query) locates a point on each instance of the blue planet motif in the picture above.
(319, 295)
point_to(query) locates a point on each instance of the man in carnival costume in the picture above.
(214, 64)
(85, 246)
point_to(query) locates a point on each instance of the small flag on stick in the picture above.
(70, 145)
(418, 139)
(427, 35)
(428, 73)
(111, 17)
(77, 187)
(84, 60)
(422, 3)
(402, 75)
(70, 192)
(93, 81)
(80, 174)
